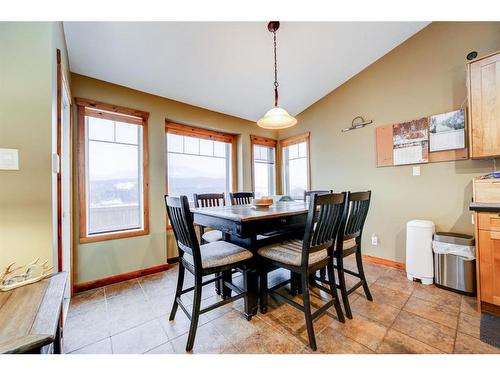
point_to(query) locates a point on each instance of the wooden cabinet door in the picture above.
(484, 107)
(489, 266)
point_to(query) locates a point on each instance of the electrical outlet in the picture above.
(416, 170)
(9, 159)
(374, 240)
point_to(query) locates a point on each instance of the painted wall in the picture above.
(423, 76)
(27, 123)
(102, 259)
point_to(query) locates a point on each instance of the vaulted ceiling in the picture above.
(228, 66)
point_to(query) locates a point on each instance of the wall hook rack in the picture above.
(360, 123)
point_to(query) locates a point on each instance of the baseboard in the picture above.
(173, 260)
(385, 262)
(490, 308)
(118, 278)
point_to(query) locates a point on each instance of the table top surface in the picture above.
(247, 212)
(29, 315)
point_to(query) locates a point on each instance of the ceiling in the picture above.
(228, 66)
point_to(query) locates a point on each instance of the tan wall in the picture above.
(27, 123)
(425, 75)
(98, 260)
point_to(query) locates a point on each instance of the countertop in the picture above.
(484, 207)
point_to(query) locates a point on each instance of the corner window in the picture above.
(263, 166)
(295, 153)
(112, 161)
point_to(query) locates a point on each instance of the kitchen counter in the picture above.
(484, 207)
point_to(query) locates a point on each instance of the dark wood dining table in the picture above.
(242, 224)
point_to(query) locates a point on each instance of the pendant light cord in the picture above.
(275, 73)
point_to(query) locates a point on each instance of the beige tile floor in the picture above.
(405, 317)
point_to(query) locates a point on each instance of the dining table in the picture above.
(252, 227)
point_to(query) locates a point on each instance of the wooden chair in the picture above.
(209, 200)
(212, 258)
(325, 223)
(241, 198)
(358, 204)
(308, 193)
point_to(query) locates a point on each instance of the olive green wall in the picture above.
(27, 123)
(102, 259)
(425, 75)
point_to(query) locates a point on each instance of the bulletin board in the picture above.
(421, 141)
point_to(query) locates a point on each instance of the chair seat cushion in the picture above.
(290, 252)
(212, 236)
(220, 253)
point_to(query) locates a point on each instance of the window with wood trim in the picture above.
(112, 171)
(296, 169)
(263, 151)
(199, 160)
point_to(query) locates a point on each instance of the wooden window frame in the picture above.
(87, 107)
(267, 142)
(305, 137)
(211, 135)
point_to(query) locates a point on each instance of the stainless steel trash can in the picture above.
(455, 272)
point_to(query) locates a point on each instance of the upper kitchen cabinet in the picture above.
(484, 107)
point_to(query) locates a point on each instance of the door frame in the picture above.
(63, 85)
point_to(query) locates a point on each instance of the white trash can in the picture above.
(419, 256)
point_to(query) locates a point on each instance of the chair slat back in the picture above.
(181, 219)
(241, 198)
(307, 194)
(325, 220)
(209, 200)
(358, 205)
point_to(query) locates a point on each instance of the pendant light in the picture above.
(276, 118)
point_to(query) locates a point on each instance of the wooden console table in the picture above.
(30, 317)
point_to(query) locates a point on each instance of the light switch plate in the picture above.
(416, 171)
(9, 159)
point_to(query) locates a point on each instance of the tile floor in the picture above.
(405, 317)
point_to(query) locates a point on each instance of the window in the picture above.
(263, 166)
(112, 157)
(199, 161)
(295, 152)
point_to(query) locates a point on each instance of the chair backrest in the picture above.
(325, 223)
(181, 219)
(311, 192)
(209, 200)
(358, 204)
(241, 198)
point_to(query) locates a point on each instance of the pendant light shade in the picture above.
(277, 117)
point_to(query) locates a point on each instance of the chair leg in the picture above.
(178, 290)
(333, 288)
(294, 285)
(263, 289)
(307, 311)
(359, 263)
(227, 276)
(343, 287)
(195, 313)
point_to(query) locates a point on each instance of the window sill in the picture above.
(114, 236)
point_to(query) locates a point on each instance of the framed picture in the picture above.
(447, 131)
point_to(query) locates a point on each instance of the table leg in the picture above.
(251, 283)
(58, 343)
